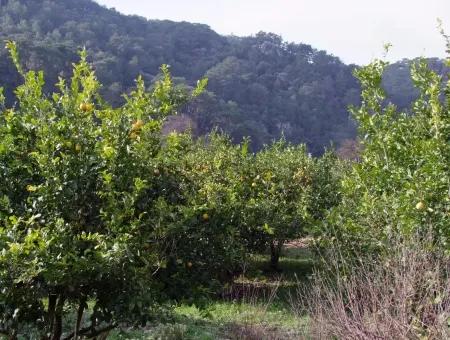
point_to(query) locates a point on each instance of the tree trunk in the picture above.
(275, 251)
(51, 312)
(80, 312)
(93, 325)
(57, 333)
(13, 335)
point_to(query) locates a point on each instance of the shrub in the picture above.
(401, 184)
(276, 202)
(403, 296)
(201, 227)
(386, 245)
(76, 181)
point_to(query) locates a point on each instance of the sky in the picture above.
(353, 30)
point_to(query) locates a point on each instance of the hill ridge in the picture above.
(259, 86)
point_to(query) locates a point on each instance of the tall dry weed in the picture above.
(404, 295)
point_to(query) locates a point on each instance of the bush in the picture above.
(201, 227)
(404, 296)
(386, 245)
(76, 184)
(401, 184)
(277, 196)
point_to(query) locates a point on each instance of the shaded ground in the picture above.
(256, 306)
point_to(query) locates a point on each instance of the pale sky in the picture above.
(354, 30)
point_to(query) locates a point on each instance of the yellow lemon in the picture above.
(137, 125)
(31, 188)
(86, 107)
(420, 205)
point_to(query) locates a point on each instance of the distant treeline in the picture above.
(259, 86)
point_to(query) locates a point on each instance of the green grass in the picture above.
(295, 265)
(219, 320)
(254, 313)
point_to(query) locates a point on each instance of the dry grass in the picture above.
(256, 332)
(404, 296)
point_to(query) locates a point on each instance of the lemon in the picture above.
(86, 107)
(420, 205)
(137, 125)
(31, 188)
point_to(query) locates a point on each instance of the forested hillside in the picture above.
(259, 86)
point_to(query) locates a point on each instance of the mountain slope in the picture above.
(260, 86)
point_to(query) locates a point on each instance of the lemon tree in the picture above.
(401, 186)
(202, 214)
(77, 183)
(278, 186)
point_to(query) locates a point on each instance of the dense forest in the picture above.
(259, 86)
